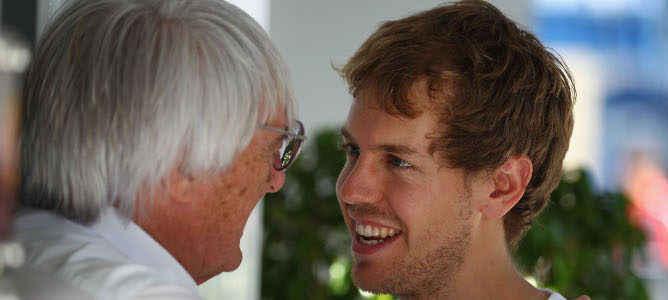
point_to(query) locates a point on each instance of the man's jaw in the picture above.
(376, 248)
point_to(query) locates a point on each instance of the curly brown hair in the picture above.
(497, 90)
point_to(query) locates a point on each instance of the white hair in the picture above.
(120, 91)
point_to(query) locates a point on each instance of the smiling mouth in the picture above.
(371, 235)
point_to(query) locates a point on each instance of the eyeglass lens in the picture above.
(290, 147)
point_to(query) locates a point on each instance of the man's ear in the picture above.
(178, 185)
(509, 182)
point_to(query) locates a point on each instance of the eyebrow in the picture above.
(390, 148)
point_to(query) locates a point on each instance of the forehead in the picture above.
(370, 125)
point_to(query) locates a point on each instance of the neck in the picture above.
(488, 271)
(165, 224)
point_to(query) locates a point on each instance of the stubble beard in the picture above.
(427, 273)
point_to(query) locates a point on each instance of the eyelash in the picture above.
(396, 162)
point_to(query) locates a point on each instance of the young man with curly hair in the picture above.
(454, 142)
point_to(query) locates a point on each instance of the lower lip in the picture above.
(363, 249)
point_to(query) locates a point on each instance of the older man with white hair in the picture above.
(150, 131)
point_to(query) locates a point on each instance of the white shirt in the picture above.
(111, 259)
(554, 295)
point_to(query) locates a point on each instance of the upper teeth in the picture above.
(369, 231)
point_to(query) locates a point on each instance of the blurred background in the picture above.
(605, 232)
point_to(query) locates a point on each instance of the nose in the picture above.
(359, 183)
(276, 178)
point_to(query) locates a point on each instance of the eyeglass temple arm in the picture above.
(288, 133)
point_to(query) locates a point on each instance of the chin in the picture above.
(227, 261)
(234, 261)
(368, 277)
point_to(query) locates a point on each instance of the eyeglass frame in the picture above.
(289, 136)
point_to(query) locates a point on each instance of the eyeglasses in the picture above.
(291, 143)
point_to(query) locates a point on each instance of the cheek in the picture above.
(254, 175)
(412, 205)
(404, 197)
(254, 182)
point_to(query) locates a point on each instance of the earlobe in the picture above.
(509, 183)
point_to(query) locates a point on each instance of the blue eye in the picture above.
(400, 163)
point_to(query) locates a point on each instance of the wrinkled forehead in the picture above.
(370, 125)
